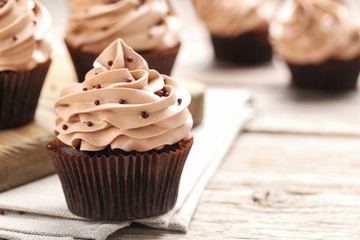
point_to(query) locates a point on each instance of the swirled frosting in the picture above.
(124, 105)
(231, 18)
(143, 25)
(312, 31)
(23, 44)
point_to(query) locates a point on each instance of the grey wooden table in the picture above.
(295, 172)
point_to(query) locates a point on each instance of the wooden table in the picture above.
(295, 172)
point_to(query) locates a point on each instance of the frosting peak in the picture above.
(312, 31)
(124, 105)
(23, 44)
(144, 25)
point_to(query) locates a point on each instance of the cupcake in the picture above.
(123, 136)
(238, 29)
(24, 59)
(149, 27)
(320, 42)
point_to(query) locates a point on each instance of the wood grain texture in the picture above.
(277, 187)
(22, 157)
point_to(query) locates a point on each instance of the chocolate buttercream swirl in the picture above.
(124, 105)
(23, 44)
(143, 25)
(231, 18)
(313, 31)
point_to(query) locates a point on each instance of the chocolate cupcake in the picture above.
(123, 136)
(239, 29)
(24, 60)
(149, 27)
(320, 43)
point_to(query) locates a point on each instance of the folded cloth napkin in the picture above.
(38, 210)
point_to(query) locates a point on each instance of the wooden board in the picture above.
(277, 187)
(22, 157)
(197, 91)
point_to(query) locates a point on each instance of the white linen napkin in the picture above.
(43, 211)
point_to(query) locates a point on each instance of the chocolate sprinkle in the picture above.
(144, 115)
(89, 123)
(2, 3)
(110, 63)
(122, 100)
(97, 102)
(129, 59)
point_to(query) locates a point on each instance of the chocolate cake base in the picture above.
(248, 49)
(19, 95)
(117, 185)
(332, 75)
(107, 152)
(161, 61)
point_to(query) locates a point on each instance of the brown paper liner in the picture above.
(332, 75)
(82, 61)
(118, 188)
(248, 49)
(19, 94)
(161, 61)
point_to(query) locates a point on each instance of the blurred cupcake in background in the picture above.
(320, 42)
(238, 28)
(24, 59)
(148, 26)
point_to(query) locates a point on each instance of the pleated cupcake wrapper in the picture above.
(161, 61)
(332, 75)
(247, 49)
(120, 188)
(19, 94)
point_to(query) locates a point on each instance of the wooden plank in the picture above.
(277, 187)
(197, 91)
(22, 157)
